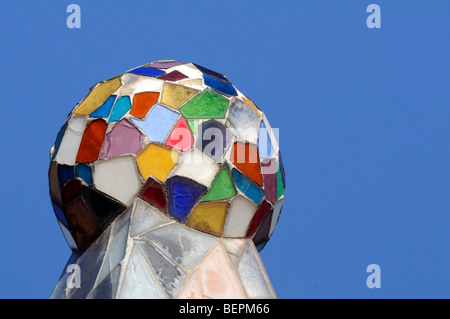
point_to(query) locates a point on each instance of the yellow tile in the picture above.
(208, 217)
(175, 95)
(157, 161)
(252, 105)
(98, 96)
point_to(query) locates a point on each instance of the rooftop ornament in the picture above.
(166, 181)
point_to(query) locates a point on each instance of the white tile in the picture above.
(70, 143)
(118, 177)
(197, 166)
(239, 217)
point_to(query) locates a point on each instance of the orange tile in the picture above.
(142, 103)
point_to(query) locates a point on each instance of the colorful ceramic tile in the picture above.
(208, 217)
(68, 237)
(98, 96)
(252, 105)
(124, 138)
(193, 83)
(183, 195)
(70, 143)
(197, 166)
(245, 121)
(212, 73)
(240, 214)
(104, 109)
(58, 141)
(85, 173)
(144, 288)
(270, 180)
(181, 137)
(205, 105)
(264, 142)
(153, 192)
(157, 161)
(193, 125)
(175, 95)
(138, 84)
(261, 212)
(218, 278)
(192, 289)
(262, 234)
(186, 246)
(102, 207)
(272, 134)
(120, 108)
(142, 102)
(245, 157)
(213, 139)
(222, 187)
(248, 187)
(54, 184)
(280, 183)
(117, 177)
(116, 250)
(81, 224)
(173, 76)
(92, 141)
(276, 215)
(59, 214)
(71, 191)
(253, 276)
(187, 69)
(146, 217)
(159, 122)
(219, 86)
(65, 172)
(170, 277)
(147, 71)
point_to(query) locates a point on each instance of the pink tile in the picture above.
(192, 289)
(219, 280)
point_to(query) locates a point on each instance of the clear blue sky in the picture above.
(363, 117)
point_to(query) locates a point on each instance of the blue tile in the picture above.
(65, 172)
(85, 173)
(147, 71)
(248, 187)
(219, 86)
(213, 139)
(104, 109)
(158, 123)
(264, 143)
(211, 73)
(58, 140)
(60, 214)
(183, 194)
(121, 107)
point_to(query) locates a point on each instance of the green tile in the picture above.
(206, 105)
(193, 125)
(222, 187)
(280, 184)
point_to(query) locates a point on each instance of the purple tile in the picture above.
(270, 180)
(124, 138)
(173, 76)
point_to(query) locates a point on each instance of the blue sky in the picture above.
(363, 117)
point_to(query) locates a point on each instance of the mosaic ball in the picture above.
(177, 136)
